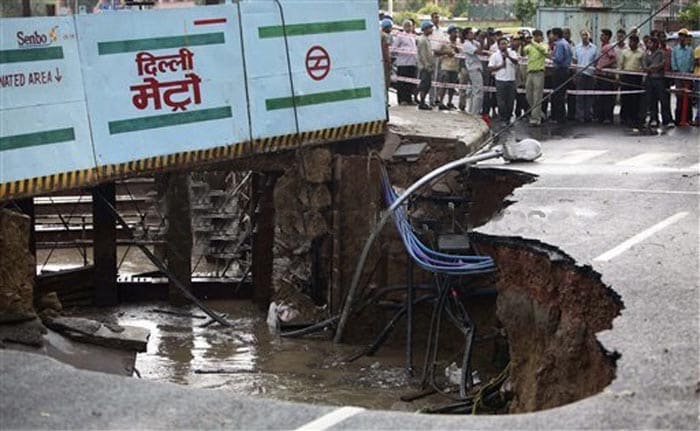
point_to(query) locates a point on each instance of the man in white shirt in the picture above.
(472, 62)
(502, 64)
(404, 48)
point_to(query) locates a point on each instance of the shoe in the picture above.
(443, 107)
(462, 108)
(451, 107)
(653, 124)
(424, 107)
(670, 126)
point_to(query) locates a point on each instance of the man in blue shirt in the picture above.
(586, 54)
(561, 57)
(682, 61)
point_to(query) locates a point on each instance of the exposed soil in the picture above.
(551, 309)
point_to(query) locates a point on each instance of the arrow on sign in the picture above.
(58, 75)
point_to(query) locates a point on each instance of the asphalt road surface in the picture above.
(627, 205)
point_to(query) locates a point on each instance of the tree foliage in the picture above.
(562, 2)
(414, 5)
(460, 8)
(400, 17)
(430, 8)
(524, 10)
(690, 16)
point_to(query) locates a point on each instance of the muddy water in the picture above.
(246, 360)
(131, 261)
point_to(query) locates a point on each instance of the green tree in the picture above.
(690, 16)
(562, 2)
(430, 8)
(400, 17)
(461, 8)
(414, 5)
(524, 10)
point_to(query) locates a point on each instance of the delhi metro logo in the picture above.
(318, 63)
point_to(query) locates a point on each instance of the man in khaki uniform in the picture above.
(449, 67)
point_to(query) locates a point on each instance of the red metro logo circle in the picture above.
(318, 63)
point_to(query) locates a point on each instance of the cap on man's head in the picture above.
(452, 28)
(683, 32)
(426, 25)
(387, 23)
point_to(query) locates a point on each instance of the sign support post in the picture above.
(104, 240)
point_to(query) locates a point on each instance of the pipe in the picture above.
(430, 176)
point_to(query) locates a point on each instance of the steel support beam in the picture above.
(104, 237)
(263, 236)
(178, 238)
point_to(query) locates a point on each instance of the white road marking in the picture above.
(574, 157)
(648, 159)
(332, 418)
(694, 168)
(586, 169)
(610, 189)
(641, 236)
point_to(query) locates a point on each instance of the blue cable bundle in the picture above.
(425, 257)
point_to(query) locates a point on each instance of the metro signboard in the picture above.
(161, 82)
(353, 87)
(91, 98)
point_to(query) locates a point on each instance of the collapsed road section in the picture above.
(515, 332)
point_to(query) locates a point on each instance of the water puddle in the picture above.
(248, 361)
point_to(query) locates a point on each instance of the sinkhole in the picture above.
(535, 319)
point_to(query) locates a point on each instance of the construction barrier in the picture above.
(91, 98)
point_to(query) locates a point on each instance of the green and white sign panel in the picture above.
(161, 82)
(333, 52)
(43, 120)
(88, 91)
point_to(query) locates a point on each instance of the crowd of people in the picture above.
(502, 77)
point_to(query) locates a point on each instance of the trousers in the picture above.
(534, 89)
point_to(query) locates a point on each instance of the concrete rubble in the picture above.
(93, 332)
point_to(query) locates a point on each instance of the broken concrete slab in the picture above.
(93, 332)
(410, 152)
(407, 121)
(81, 355)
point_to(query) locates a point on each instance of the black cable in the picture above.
(311, 328)
(245, 74)
(289, 69)
(371, 349)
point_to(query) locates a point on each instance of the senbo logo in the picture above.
(37, 39)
